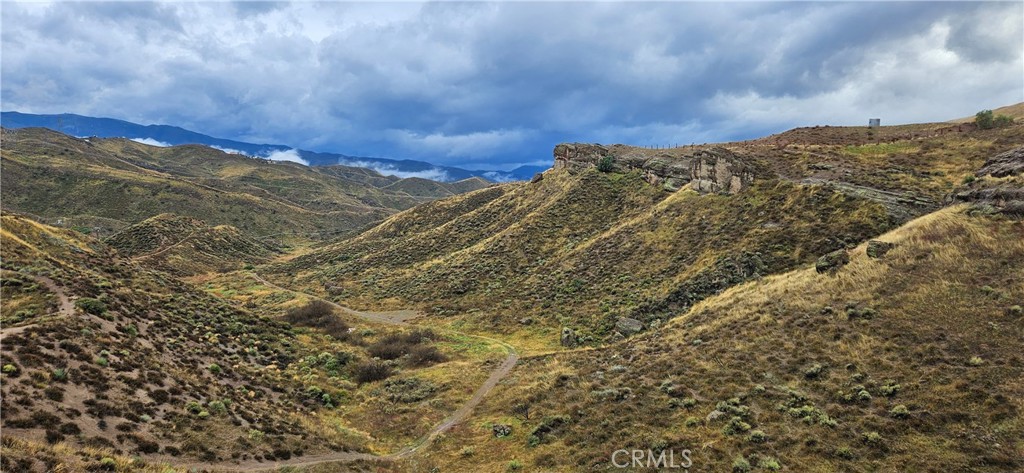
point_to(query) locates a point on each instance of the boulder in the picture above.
(877, 248)
(568, 338)
(502, 430)
(628, 326)
(832, 261)
(537, 178)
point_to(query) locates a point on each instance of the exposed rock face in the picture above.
(709, 170)
(1005, 195)
(1005, 164)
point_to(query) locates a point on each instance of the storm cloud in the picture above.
(494, 85)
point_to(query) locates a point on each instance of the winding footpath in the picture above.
(65, 307)
(399, 318)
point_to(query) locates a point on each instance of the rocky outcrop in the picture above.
(1010, 163)
(877, 248)
(832, 261)
(1004, 194)
(628, 326)
(706, 170)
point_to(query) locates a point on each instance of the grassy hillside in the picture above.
(187, 246)
(584, 249)
(111, 359)
(106, 184)
(908, 362)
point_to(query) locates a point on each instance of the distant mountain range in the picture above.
(79, 125)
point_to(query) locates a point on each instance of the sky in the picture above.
(496, 85)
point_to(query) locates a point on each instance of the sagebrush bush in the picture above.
(318, 314)
(372, 370)
(91, 306)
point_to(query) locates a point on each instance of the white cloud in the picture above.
(151, 142)
(228, 150)
(465, 145)
(891, 83)
(498, 176)
(290, 155)
(434, 174)
(487, 84)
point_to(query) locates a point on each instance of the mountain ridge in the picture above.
(83, 126)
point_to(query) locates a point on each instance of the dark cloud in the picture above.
(496, 84)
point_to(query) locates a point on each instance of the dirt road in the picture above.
(394, 318)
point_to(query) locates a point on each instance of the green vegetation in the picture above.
(86, 184)
(987, 120)
(830, 313)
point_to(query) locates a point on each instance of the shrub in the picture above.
(814, 371)
(757, 436)
(873, 438)
(9, 369)
(889, 389)
(218, 407)
(975, 361)
(740, 465)
(845, 453)
(91, 306)
(899, 411)
(736, 425)
(193, 407)
(372, 370)
(987, 120)
(425, 355)
(606, 164)
(256, 436)
(214, 368)
(770, 464)
(59, 374)
(389, 348)
(318, 314)
(409, 389)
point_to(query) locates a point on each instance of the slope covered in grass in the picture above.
(583, 250)
(187, 246)
(908, 362)
(104, 185)
(110, 358)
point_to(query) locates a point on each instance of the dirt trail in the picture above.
(166, 248)
(65, 307)
(400, 318)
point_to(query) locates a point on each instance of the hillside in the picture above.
(103, 185)
(186, 246)
(823, 299)
(598, 255)
(107, 360)
(905, 362)
(79, 125)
